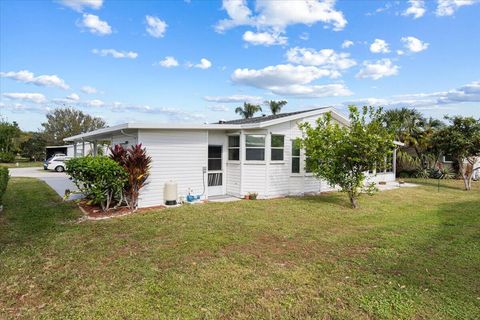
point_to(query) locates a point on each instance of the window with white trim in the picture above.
(234, 147)
(255, 147)
(277, 147)
(295, 156)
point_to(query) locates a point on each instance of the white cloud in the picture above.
(304, 36)
(204, 64)
(400, 52)
(95, 103)
(467, 93)
(168, 62)
(89, 90)
(80, 5)
(414, 45)
(30, 97)
(379, 46)
(277, 15)
(26, 76)
(347, 44)
(155, 26)
(115, 53)
(379, 69)
(287, 79)
(174, 114)
(73, 97)
(448, 7)
(218, 108)
(22, 108)
(233, 99)
(95, 25)
(416, 9)
(264, 38)
(326, 58)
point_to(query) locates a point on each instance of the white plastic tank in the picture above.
(170, 193)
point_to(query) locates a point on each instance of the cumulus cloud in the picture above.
(174, 114)
(448, 7)
(378, 69)
(26, 76)
(80, 5)
(288, 79)
(29, 97)
(95, 25)
(204, 64)
(88, 90)
(416, 9)
(277, 15)
(168, 62)
(233, 99)
(347, 44)
(73, 97)
(218, 108)
(155, 26)
(115, 53)
(96, 103)
(379, 46)
(327, 58)
(414, 45)
(264, 38)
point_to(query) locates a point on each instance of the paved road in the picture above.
(58, 181)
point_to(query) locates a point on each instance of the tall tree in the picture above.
(461, 140)
(248, 110)
(34, 147)
(276, 106)
(9, 132)
(342, 154)
(66, 122)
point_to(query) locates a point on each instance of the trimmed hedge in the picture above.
(3, 182)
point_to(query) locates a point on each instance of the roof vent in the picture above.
(264, 115)
(221, 121)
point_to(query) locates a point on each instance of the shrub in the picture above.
(7, 157)
(137, 165)
(100, 179)
(3, 182)
(422, 173)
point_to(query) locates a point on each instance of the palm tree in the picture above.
(248, 110)
(275, 106)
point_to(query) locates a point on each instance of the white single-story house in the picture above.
(231, 158)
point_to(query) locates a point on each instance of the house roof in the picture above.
(252, 123)
(265, 118)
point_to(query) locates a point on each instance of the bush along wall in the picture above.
(4, 177)
(100, 179)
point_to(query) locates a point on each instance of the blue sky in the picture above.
(195, 61)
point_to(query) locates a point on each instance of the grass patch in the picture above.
(406, 253)
(22, 164)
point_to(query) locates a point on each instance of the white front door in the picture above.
(215, 170)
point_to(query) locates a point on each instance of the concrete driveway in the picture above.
(58, 181)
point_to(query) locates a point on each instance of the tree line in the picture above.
(60, 123)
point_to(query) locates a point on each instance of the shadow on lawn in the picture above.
(336, 198)
(444, 184)
(33, 213)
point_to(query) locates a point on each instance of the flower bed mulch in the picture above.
(93, 212)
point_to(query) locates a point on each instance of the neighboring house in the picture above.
(448, 161)
(226, 158)
(71, 150)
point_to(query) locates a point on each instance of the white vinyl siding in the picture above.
(177, 155)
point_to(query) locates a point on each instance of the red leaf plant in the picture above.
(136, 163)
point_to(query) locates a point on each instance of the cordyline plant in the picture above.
(342, 154)
(137, 165)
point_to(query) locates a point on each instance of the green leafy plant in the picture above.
(422, 173)
(4, 177)
(342, 154)
(100, 179)
(137, 166)
(7, 157)
(248, 110)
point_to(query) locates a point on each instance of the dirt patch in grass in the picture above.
(95, 212)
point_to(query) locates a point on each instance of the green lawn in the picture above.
(21, 164)
(412, 253)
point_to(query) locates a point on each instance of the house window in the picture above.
(214, 158)
(234, 148)
(277, 146)
(295, 157)
(255, 147)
